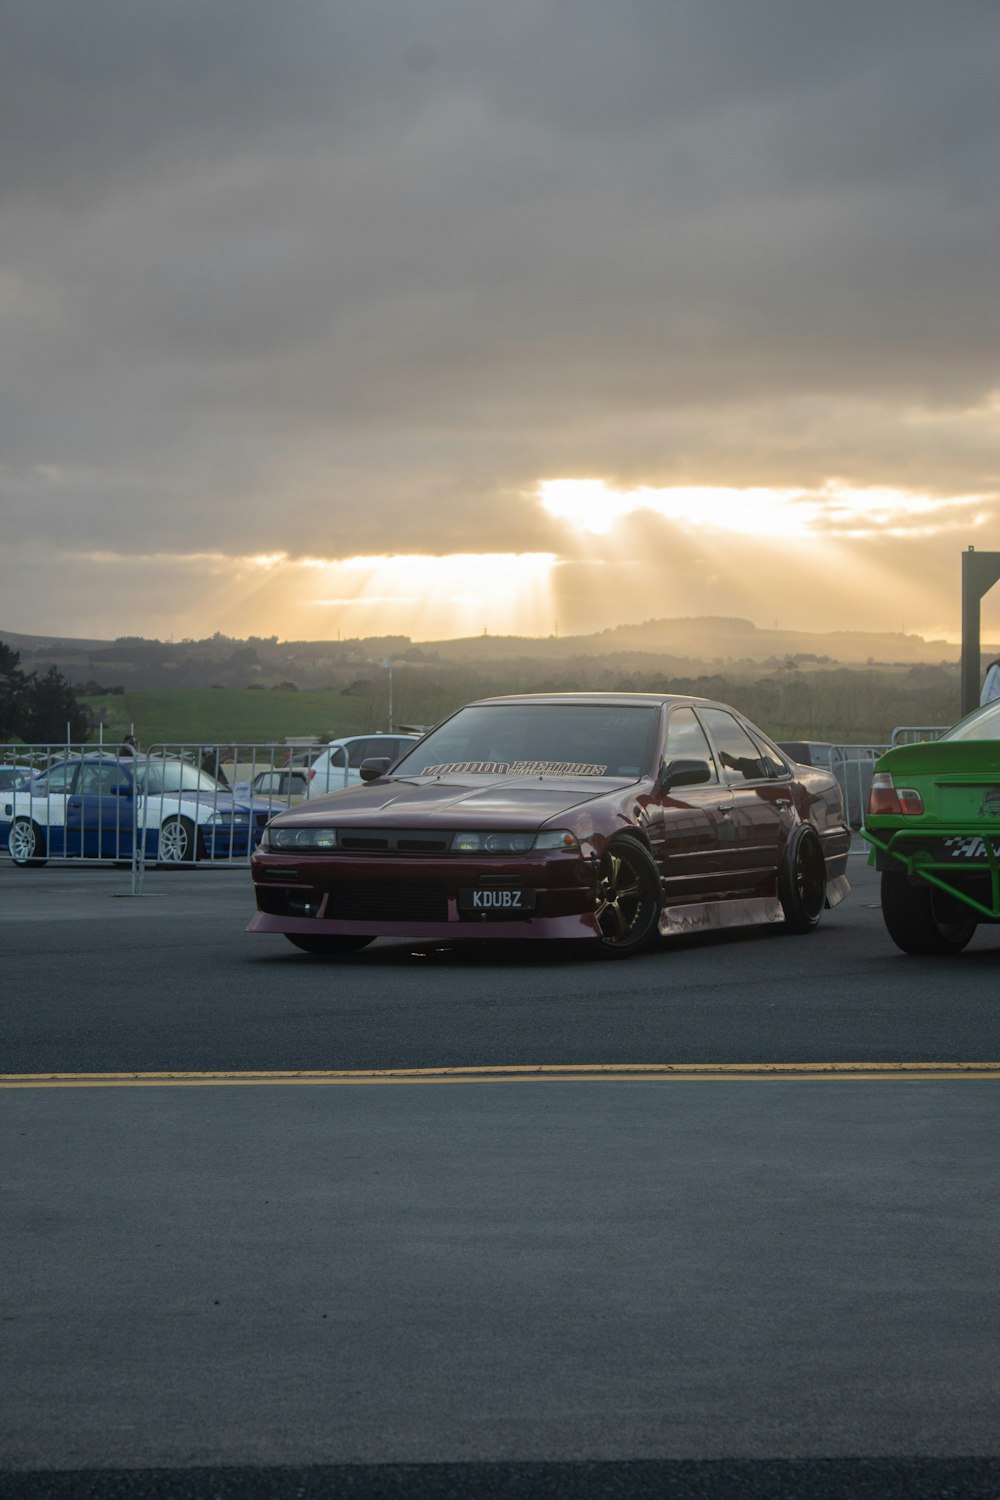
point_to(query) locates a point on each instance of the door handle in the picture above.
(782, 801)
(725, 808)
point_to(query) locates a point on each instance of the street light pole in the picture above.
(388, 666)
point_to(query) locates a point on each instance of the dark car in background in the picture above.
(610, 817)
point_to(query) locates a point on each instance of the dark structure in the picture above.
(980, 571)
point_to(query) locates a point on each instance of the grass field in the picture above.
(216, 715)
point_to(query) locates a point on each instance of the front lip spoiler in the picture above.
(581, 925)
(922, 866)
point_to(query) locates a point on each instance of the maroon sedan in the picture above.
(609, 816)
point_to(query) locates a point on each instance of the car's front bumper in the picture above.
(352, 896)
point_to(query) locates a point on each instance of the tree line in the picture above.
(38, 709)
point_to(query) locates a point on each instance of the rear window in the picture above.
(982, 724)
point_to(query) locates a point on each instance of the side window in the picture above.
(338, 759)
(99, 781)
(686, 739)
(739, 757)
(774, 766)
(59, 779)
(359, 751)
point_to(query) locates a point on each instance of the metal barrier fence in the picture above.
(185, 804)
(854, 766)
(915, 734)
(174, 804)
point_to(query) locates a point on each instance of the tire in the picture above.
(178, 843)
(26, 844)
(328, 947)
(802, 880)
(922, 919)
(629, 898)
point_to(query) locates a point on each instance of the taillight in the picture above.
(885, 799)
(312, 773)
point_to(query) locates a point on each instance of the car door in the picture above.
(692, 829)
(100, 813)
(764, 809)
(47, 800)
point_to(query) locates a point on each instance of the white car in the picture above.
(339, 765)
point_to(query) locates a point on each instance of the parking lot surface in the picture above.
(577, 1271)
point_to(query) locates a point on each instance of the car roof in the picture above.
(372, 734)
(602, 700)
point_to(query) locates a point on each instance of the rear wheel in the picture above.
(922, 919)
(628, 898)
(327, 947)
(26, 843)
(802, 880)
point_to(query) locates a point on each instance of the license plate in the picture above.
(503, 901)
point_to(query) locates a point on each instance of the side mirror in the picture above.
(684, 773)
(122, 789)
(374, 767)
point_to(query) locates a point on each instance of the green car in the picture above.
(933, 821)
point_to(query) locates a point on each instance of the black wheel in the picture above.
(628, 898)
(802, 880)
(26, 843)
(328, 947)
(922, 919)
(178, 842)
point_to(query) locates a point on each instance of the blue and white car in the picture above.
(101, 807)
(12, 773)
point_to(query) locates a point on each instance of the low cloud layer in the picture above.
(327, 279)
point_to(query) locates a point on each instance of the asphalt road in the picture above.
(741, 1283)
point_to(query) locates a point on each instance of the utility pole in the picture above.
(387, 663)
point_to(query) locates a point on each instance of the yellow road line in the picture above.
(512, 1073)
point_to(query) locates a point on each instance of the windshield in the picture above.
(177, 776)
(982, 724)
(538, 739)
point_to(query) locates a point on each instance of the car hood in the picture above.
(449, 802)
(223, 802)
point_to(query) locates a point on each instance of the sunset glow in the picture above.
(592, 506)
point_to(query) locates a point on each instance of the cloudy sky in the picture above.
(333, 317)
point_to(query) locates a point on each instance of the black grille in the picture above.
(388, 901)
(396, 840)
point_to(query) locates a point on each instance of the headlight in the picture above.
(227, 819)
(299, 838)
(511, 843)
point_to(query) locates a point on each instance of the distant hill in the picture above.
(684, 646)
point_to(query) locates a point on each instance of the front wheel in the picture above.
(26, 843)
(327, 947)
(922, 919)
(802, 880)
(628, 898)
(177, 842)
